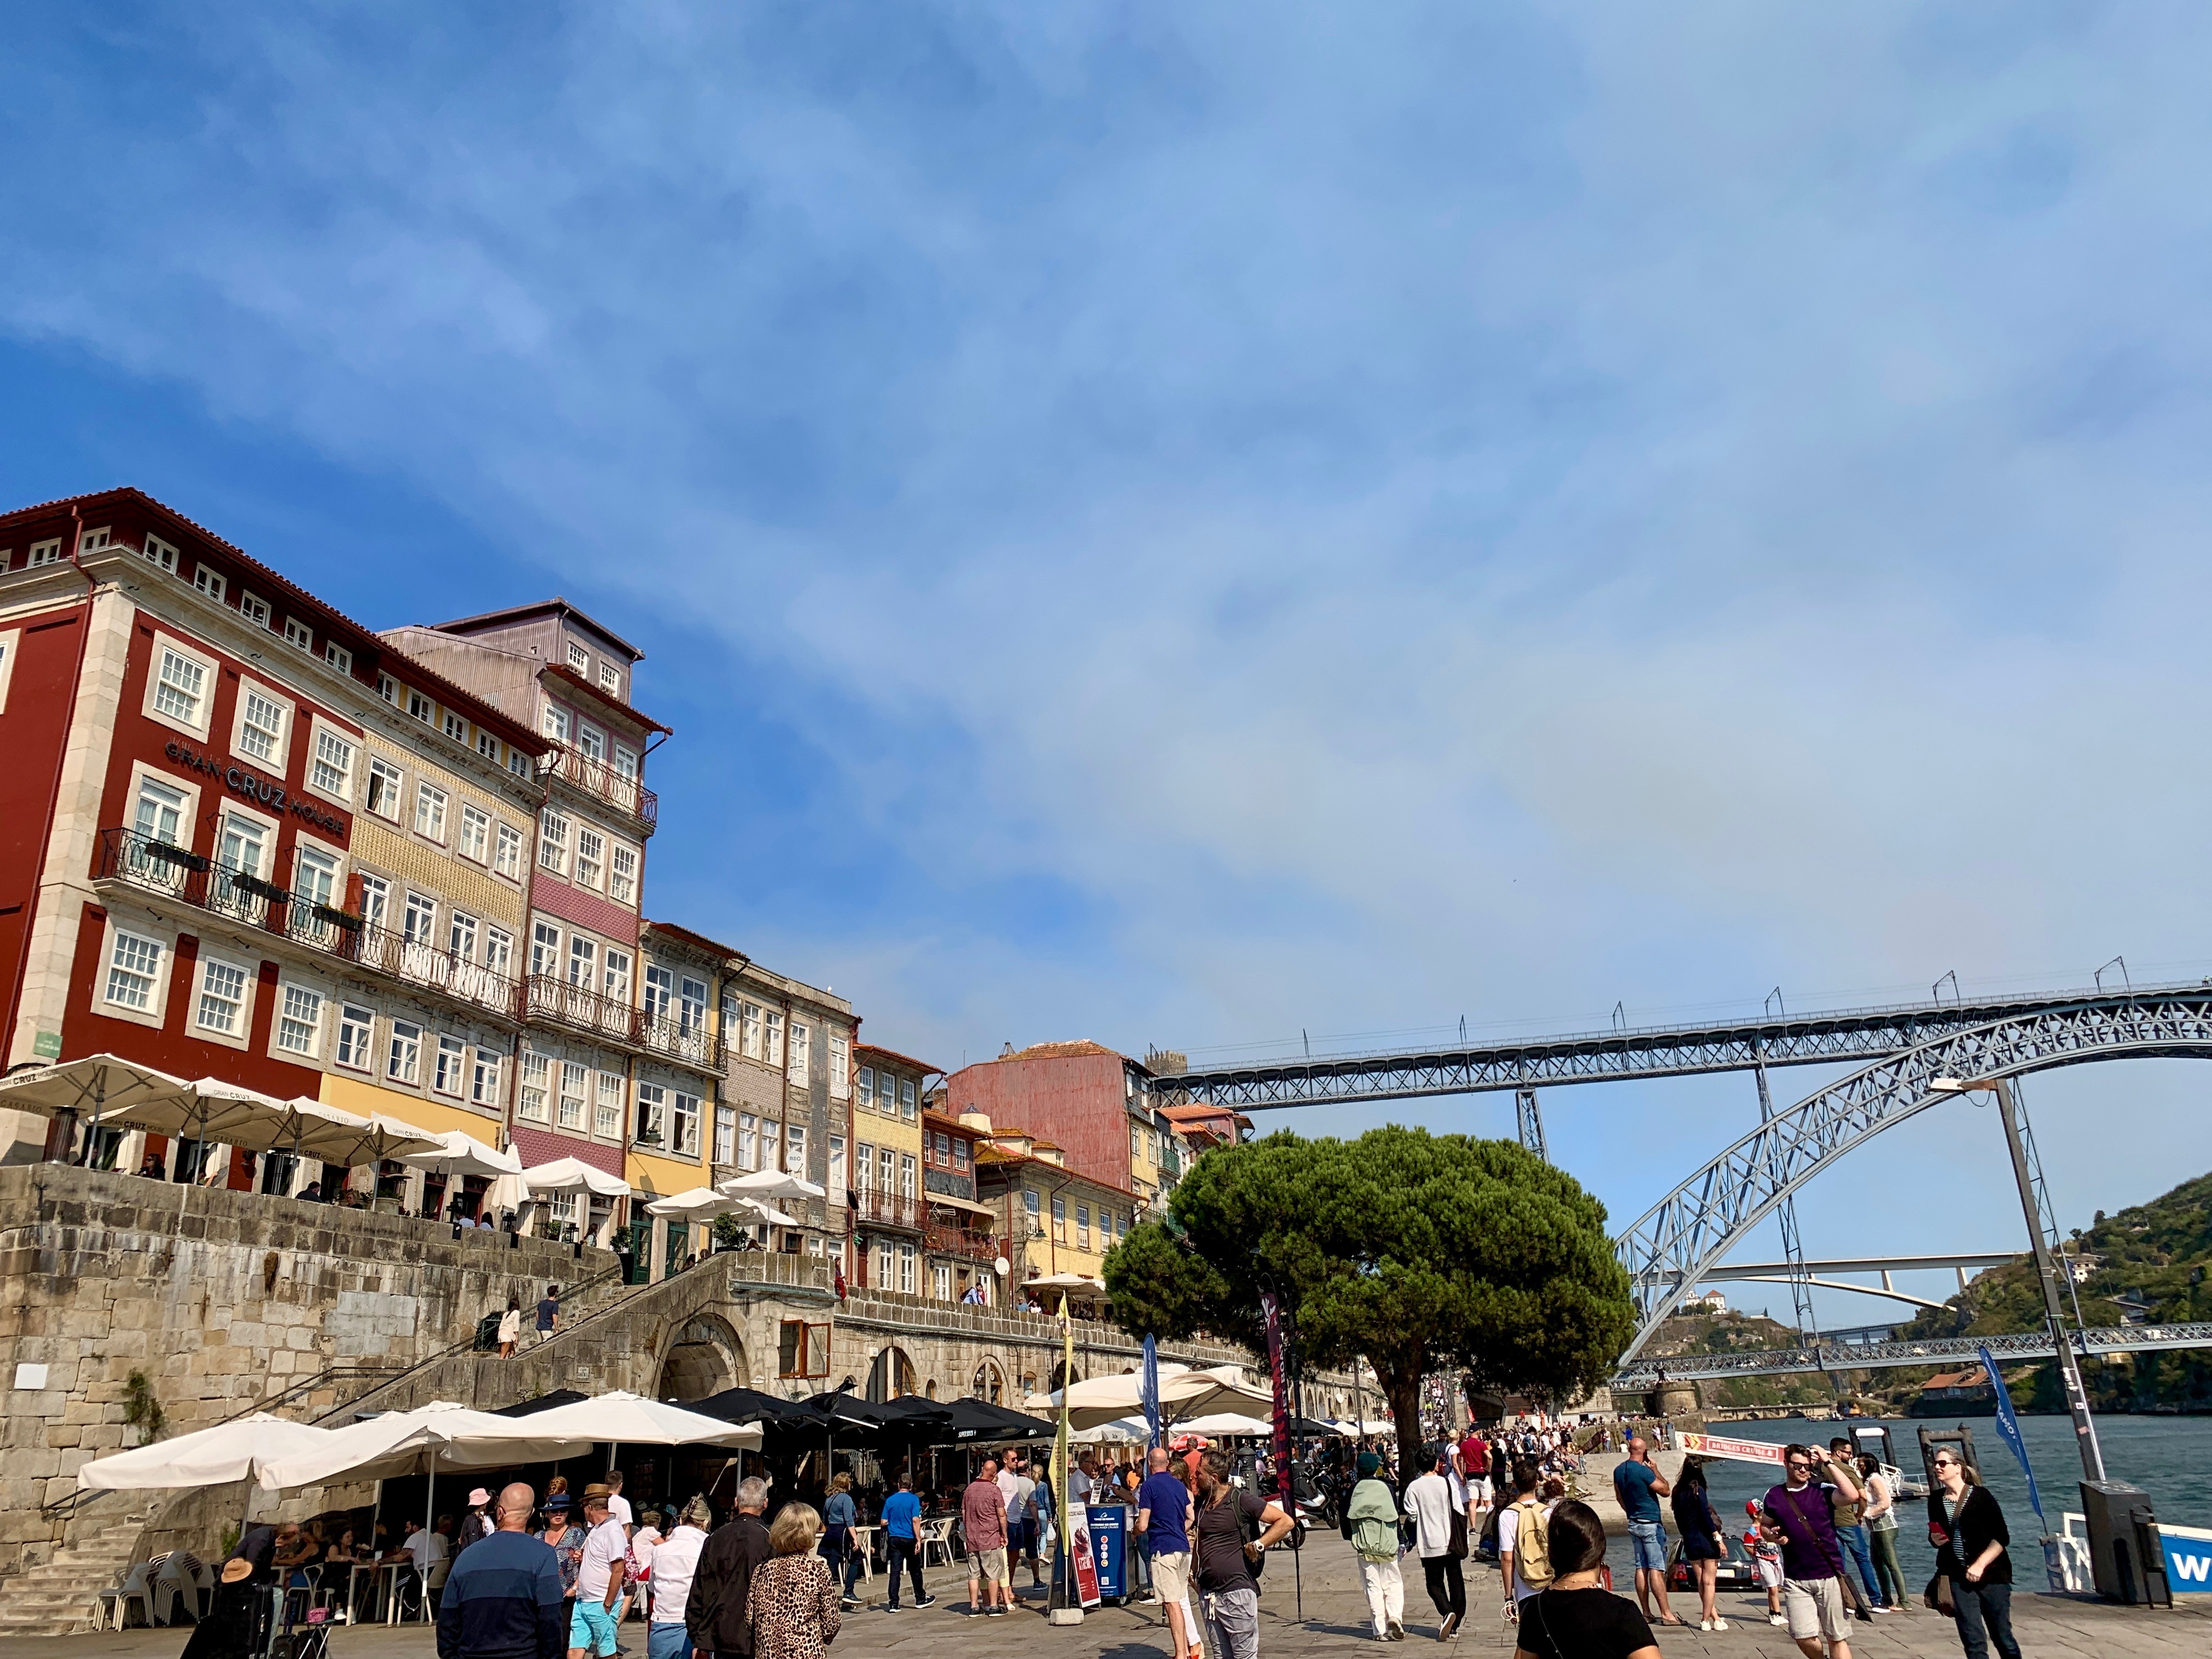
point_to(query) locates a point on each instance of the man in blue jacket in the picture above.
(503, 1597)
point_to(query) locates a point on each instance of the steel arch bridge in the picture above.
(1693, 1228)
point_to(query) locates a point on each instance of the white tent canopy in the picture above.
(337, 1136)
(100, 1084)
(629, 1419)
(440, 1436)
(769, 1187)
(458, 1152)
(237, 1450)
(694, 1204)
(1184, 1394)
(573, 1175)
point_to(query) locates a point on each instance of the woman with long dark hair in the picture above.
(1700, 1528)
(1881, 1533)
(1973, 1573)
(1575, 1616)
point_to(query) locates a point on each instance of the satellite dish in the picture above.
(1003, 1267)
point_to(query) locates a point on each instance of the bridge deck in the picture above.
(1853, 1034)
(1924, 1351)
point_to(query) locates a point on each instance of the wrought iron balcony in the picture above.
(623, 791)
(692, 1045)
(946, 1238)
(875, 1209)
(550, 997)
(181, 874)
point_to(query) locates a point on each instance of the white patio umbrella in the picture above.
(768, 1185)
(694, 1204)
(1184, 1394)
(573, 1175)
(459, 1152)
(442, 1435)
(1118, 1431)
(622, 1419)
(215, 1456)
(100, 1085)
(1224, 1423)
(337, 1136)
(765, 1213)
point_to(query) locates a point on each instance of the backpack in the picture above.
(1375, 1537)
(1532, 1550)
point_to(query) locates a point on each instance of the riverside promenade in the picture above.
(1335, 1624)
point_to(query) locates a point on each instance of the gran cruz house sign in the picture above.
(255, 787)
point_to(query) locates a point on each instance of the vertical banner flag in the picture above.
(2008, 1432)
(1059, 1439)
(1148, 1388)
(1271, 1311)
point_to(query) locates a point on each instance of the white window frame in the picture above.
(506, 851)
(748, 1140)
(94, 541)
(553, 843)
(338, 657)
(794, 1149)
(354, 1057)
(432, 805)
(610, 1104)
(499, 950)
(255, 609)
(212, 582)
(591, 869)
(574, 1071)
(456, 727)
(544, 949)
(578, 659)
(420, 708)
(773, 1045)
(157, 972)
(288, 1015)
(836, 1184)
(424, 905)
(726, 1135)
(278, 760)
(841, 1065)
(299, 635)
(462, 930)
(748, 1029)
(449, 1066)
(473, 840)
(622, 873)
(558, 723)
(394, 778)
(404, 1036)
(318, 730)
(487, 745)
(161, 555)
(652, 1117)
(486, 1070)
(611, 680)
(211, 963)
(684, 1123)
(45, 552)
(211, 676)
(535, 1099)
(802, 1054)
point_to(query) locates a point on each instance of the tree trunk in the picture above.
(1404, 1385)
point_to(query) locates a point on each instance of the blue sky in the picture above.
(1193, 524)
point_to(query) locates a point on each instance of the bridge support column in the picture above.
(1530, 1123)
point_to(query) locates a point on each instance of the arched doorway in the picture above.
(891, 1375)
(706, 1358)
(929, 1389)
(1060, 1376)
(988, 1384)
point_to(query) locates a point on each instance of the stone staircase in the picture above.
(59, 1597)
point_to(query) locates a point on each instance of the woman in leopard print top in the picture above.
(791, 1602)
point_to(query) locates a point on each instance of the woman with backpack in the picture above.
(1372, 1515)
(1574, 1616)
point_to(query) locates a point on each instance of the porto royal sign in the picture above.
(255, 787)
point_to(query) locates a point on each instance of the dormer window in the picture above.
(297, 633)
(338, 657)
(578, 659)
(611, 679)
(419, 706)
(254, 609)
(210, 582)
(92, 541)
(159, 552)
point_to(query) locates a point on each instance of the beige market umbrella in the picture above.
(337, 1136)
(696, 1204)
(1184, 1394)
(214, 1456)
(769, 1186)
(573, 1175)
(100, 1085)
(459, 1152)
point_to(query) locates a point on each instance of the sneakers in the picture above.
(996, 1610)
(1705, 1624)
(1777, 1618)
(1397, 1631)
(849, 1603)
(1451, 1623)
(1720, 1624)
(925, 1600)
(893, 1607)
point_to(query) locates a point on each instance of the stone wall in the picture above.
(218, 1300)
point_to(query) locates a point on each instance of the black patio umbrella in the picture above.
(751, 1406)
(544, 1402)
(969, 1421)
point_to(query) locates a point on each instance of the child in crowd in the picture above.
(1767, 1556)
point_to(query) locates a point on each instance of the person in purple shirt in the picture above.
(1798, 1516)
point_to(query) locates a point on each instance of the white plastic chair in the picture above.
(132, 1588)
(174, 1582)
(937, 1534)
(863, 1542)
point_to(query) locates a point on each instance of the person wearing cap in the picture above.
(503, 1598)
(594, 1628)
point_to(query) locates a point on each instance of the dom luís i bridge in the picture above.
(1913, 1057)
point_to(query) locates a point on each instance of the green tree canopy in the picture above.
(1418, 1252)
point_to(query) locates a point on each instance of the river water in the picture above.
(2169, 1457)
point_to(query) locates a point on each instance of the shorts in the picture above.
(1814, 1607)
(1171, 1577)
(592, 1627)
(989, 1565)
(1479, 1488)
(1650, 1539)
(1770, 1573)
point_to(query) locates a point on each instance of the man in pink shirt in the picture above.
(983, 1522)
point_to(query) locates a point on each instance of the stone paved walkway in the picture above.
(1335, 1624)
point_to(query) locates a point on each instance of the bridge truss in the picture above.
(1691, 1230)
(1857, 1034)
(1934, 1351)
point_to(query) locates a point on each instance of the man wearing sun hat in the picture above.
(597, 1621)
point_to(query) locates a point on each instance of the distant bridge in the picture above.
(1925, 1351)
(1854, 1034)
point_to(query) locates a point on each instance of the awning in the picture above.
(966, 1204)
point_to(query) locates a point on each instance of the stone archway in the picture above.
(890, 1376)
(706, 1357)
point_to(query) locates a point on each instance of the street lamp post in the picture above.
(2046, 1273)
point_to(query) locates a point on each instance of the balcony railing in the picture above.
(177, 873)
(692, 1045)
(620, 790)
(943, 1238)
(876, 1209)
(553, 998)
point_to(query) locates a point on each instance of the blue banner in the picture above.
(1148, 1388)
(2008, 1432)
